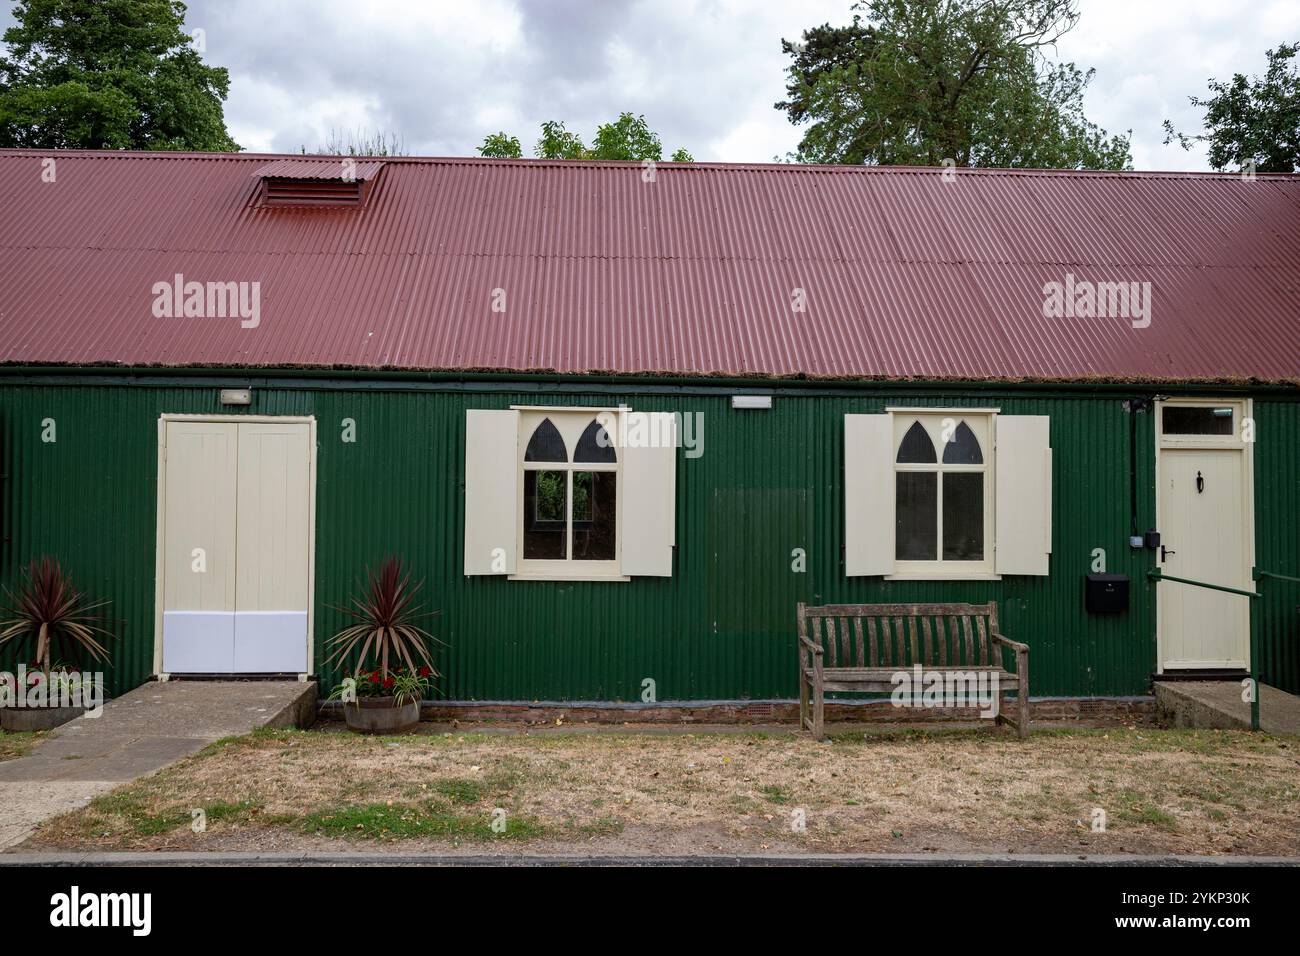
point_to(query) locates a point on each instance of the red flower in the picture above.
(388, 682)
(425, 671)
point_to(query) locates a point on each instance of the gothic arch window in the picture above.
(941, 500)
(570, 513)
(546, 444)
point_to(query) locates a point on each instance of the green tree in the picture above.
(108, 74)
(1252, 120)
(921, 82)
(501, 146)
(559, 143)
(627, 138)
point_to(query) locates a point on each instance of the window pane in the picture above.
(916, 449)
(964, 449)
(544, 506)
(594, 512)
(963, 516)
(546, 444)
(917, 524)
(595, 445)
(1196, 420)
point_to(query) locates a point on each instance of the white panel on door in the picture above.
(274, 509)
(273, 535)
(198, 642)
(199, 546)
(271, 642)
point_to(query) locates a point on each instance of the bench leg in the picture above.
(1022, 694)
(803, 698)
(819, 710)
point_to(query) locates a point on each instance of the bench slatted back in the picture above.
(900, 635)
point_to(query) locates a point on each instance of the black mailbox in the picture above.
(1106, 593)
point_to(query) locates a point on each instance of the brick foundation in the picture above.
(1117, 710)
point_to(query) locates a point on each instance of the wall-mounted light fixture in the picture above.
(236, 396)
(751, 401)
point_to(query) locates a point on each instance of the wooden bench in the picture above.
(860, 647)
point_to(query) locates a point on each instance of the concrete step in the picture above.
(1217, 705)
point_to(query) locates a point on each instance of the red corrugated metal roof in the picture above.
(905, 274)
(342, 167)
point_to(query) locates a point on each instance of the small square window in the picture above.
(1197, 420)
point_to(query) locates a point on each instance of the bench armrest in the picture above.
(809, 645)
(1016, 646)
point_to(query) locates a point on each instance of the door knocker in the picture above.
(1200, 483)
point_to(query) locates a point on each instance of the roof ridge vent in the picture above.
(330, 183)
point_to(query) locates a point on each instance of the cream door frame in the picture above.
(1243, 409)
(161, 530)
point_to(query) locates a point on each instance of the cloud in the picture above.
(705, 73)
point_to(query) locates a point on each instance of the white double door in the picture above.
(236, 540)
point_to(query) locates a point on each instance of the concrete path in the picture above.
(1217, 705)
(136, 734)
(173, 858)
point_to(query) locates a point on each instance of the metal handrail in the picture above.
(1158, 575)
(1259, 575)
(1255, 575)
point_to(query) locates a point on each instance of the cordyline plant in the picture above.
(384, 627)
(54, 614)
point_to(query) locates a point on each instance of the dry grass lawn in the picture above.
(1203, 792)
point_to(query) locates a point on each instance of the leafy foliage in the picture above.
(918, 82)
(628, 138)
(401, 684)
(108, 74)
(384, 627)
(501, 146)
(558, 143)
(54, 615)
(1252, 120)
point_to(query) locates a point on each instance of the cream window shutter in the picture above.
(649, 496)
(491, 491)
(1023, 473)
(868, 495)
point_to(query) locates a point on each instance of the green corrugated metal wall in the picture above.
(721, 628)
(1277, 541)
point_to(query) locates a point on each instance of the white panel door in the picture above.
(1203, 531)
(273, 534)
(199, 547)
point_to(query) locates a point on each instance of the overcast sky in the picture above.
(704, 72)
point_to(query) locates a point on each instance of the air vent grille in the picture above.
(312, 192)
(329, 183)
